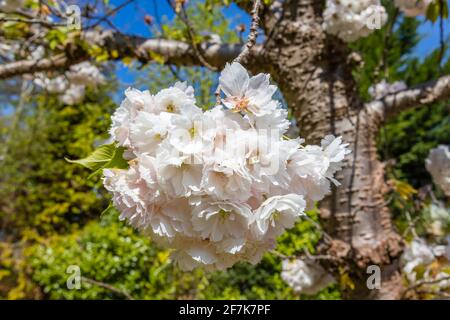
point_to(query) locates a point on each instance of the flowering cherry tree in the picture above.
(218, 185)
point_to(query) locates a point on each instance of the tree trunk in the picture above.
(313, 71)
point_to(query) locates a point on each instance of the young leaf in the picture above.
(117, 161)
(97, 159)
(433, 12)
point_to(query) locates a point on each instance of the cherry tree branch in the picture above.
(108, 287)
(423, 94)
(145, 50)
(420, 283)
(30, 66)
(32, 21)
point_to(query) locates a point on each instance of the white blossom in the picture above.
(416, 254)
(221, 220)
(438, 165)
(304, 276)
(37, 53)
(85, 73)
(439, 218)
(216, 186)
(384, 88)
(419, 263)
(413, 8)
(353, 19)
(247, 94)
(52, 85)
(71, 86)
(122, 118)
(73, 95)
(277, 214)
(178, 99)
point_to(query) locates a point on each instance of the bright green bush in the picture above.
(113, 253)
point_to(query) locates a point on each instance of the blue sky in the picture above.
(131, 20)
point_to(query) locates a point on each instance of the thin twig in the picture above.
(251, 41)
(306, 256)
(109, 287)
(161, 30)
(279, 255)
(436, 293)
(182, 14)
(326, 236)
(423, 282)
(253, 32)
(411, 227)
(110, 13)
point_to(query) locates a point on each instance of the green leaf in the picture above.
(109, 207)
(97, 159)
(444, 10)
(433, 12)
(117, 161)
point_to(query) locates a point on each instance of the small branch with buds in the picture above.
(418, 284)
(251, 40)
(108, 287)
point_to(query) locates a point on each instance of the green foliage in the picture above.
(386, 51)
(113, 253)
(205, 19)
(437, 9)
(40, 192)
(409, 138)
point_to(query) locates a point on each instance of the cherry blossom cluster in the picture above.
(438, 218)
(438, 165)
(384, 88)
(353, 19)
(418, 259)
(216, 186)
(413, 8)
(305, 276)
(71, 86)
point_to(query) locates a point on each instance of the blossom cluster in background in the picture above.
(217, 186)
(71, 86)
(305, 276)
(384, 88)
(353, 19)
(425, 262)
(413, 8)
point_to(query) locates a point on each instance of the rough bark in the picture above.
(313, 71)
